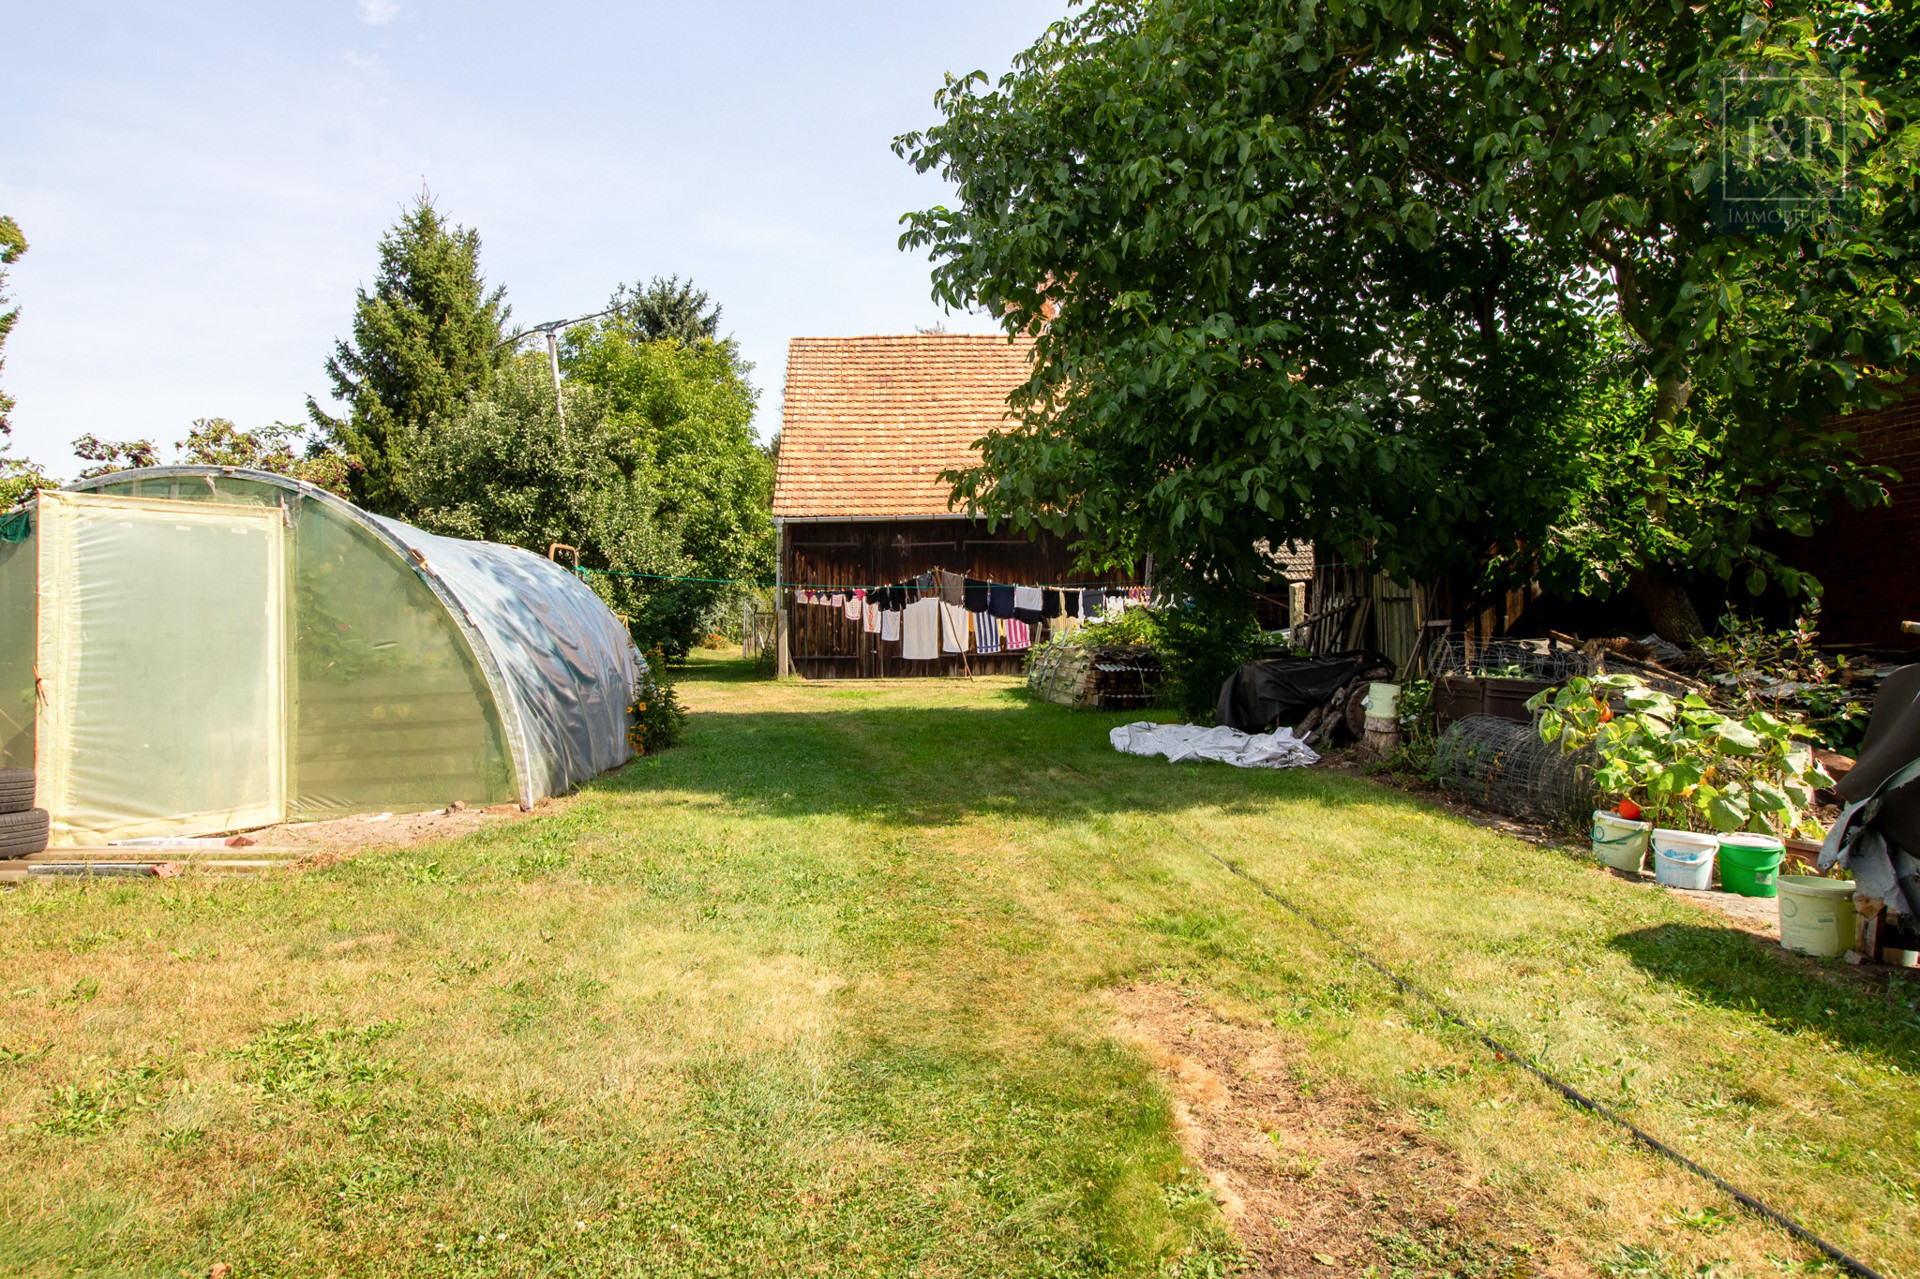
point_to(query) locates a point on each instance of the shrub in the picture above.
(1200, 642)
(1686, 764)
(658, 719)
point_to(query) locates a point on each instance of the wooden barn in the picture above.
(868, 425)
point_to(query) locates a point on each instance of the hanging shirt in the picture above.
(953, 627)
(1000, 601)
(1026, 603)
(986, 632)
(890, 625)
(855, 602)
(1019, 635)
(920, 631)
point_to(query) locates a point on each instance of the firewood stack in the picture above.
(1342, 718)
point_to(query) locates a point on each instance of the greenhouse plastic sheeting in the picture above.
(568, 666)
(162, 656)
(19, 624)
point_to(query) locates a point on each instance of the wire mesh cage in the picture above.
(1459, 654)
(1501, 765)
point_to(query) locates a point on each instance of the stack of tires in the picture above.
(23, 828)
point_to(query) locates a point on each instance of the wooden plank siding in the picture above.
(824, 644)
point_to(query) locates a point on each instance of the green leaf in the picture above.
(1736, 738)
(1727, 812)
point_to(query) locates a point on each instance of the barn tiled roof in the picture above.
(1292, 561)
(870, 422)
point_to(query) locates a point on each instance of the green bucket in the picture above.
(1750, 864)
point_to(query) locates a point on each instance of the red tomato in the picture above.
(1630, 810)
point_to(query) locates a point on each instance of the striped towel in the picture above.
(986, 632)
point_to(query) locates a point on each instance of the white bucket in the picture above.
(1682, 859)
(1620, 843)
(1383, 700)
(1816, 914)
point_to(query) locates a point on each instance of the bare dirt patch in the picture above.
(1314, 1179)
(383, 830)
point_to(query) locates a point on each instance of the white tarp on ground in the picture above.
(1278, 749)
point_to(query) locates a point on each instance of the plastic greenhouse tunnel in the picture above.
(189, 650)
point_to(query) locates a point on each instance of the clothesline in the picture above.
(830, 586)
(939, 613)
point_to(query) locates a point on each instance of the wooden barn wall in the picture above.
(823, 644)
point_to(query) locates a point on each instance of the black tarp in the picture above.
(1884, 807)
(1284, 689)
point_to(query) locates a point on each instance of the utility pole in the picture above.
(553, 362)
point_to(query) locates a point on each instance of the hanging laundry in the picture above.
(1026, 604)
(952, 586)
(870, 615)
(855, 602)
(1072, 602)
(838, 601)
(1019, 635)
(890, 624)
(953, 627)
(1050, 604)
(920, 631)
(976, 594)
(986, 632)
(1093, 605)
(1000, 601)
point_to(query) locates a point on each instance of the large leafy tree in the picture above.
(425, 338)
(654, 475)
(686, 409)
(1433, 283)
(18, 476)
(12, 244)
(284, 448)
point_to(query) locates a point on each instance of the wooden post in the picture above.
(782, 663)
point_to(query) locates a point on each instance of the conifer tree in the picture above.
(425, 338)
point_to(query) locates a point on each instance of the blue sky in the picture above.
(203, 185)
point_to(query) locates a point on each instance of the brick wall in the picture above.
(1869, 560)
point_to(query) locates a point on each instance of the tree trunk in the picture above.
(1668, 606)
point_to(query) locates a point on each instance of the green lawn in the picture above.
(830, 990)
